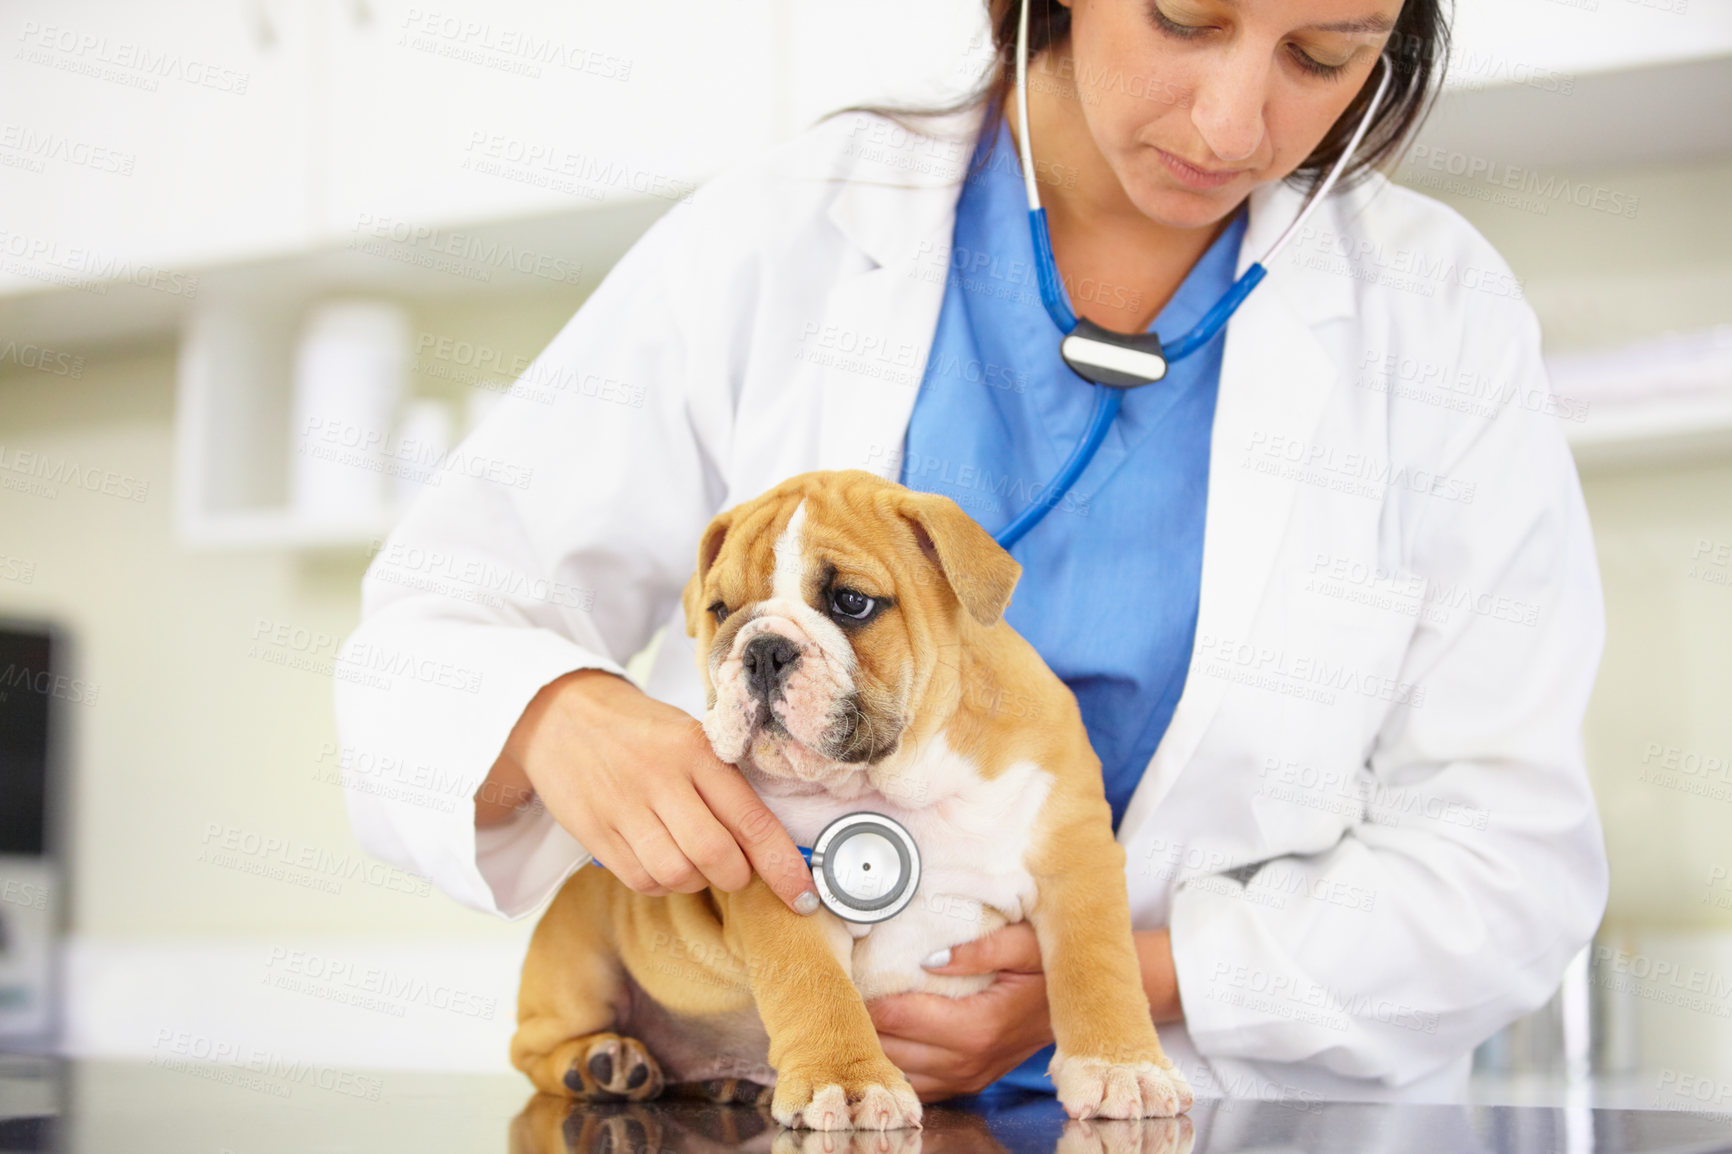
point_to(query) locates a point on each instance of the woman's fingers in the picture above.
(949, 1046)
(615, 855)
(936, 1063)
(915, 1015)
(705, 842)
(919, 1058)
(759, 834)
(942, 1057)
(637, 783)
(661, 855)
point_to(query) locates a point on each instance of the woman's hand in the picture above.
(952, 1046)
(635, 781)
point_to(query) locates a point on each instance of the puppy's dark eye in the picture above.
(720, 612)
(851, 603)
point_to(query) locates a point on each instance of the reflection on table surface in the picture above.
(261, 1106)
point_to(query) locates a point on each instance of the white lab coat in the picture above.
(1399, 625)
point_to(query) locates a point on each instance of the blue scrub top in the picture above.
(1108, 593)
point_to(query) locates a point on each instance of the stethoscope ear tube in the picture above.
(1115, 361)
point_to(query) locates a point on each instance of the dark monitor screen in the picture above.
(26, 685)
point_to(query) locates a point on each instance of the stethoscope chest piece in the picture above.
(865, 866)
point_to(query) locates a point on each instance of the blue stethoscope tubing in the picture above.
(1112, 361)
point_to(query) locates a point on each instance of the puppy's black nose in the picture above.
(768, 660)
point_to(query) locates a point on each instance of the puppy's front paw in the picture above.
(1181, 1088)
(1097, 1088)
(856, 1096)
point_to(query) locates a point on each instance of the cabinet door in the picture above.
(138, 140)
(471, 110)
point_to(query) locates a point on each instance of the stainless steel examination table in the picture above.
(261, 1103)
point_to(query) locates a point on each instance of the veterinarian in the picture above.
(1327, 593)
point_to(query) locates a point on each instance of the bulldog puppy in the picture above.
(851, 640)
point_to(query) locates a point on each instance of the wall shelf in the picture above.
(234, 400)
(1665, 399)
(236, 317)
(282, 529)
(1665, 430)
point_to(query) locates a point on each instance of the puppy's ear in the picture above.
(979, 571)
(709, 548)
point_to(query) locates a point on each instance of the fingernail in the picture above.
(937, 958)
(806, 903)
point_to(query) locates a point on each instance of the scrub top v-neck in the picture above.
(1110, 577)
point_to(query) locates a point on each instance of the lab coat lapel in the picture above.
(897, 207)
(867, 395)
(1275, 379)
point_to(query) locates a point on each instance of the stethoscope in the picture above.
(865, 866)
(1118, 361)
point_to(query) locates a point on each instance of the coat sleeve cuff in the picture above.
(505, 870)
(525, 861)
(513, 868)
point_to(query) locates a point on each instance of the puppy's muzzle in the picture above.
(768, 661)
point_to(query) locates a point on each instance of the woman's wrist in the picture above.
(508, 788)
(1160, 979)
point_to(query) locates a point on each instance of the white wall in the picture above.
(201, 722)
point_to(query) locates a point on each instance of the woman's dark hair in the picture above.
(1418, 49)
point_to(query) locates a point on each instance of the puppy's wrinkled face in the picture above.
(819, 609)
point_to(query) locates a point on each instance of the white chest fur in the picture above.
(973, 835)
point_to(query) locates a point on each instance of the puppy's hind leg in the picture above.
(725, 1091)
(572, 999)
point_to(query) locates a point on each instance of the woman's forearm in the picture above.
(503, 794)
(508, 788)
(1155, 959)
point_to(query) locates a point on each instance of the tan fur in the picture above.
(946, 665)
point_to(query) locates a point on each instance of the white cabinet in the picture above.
(457, 112)
(140, 141)
(218, 166)
(147, 142)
